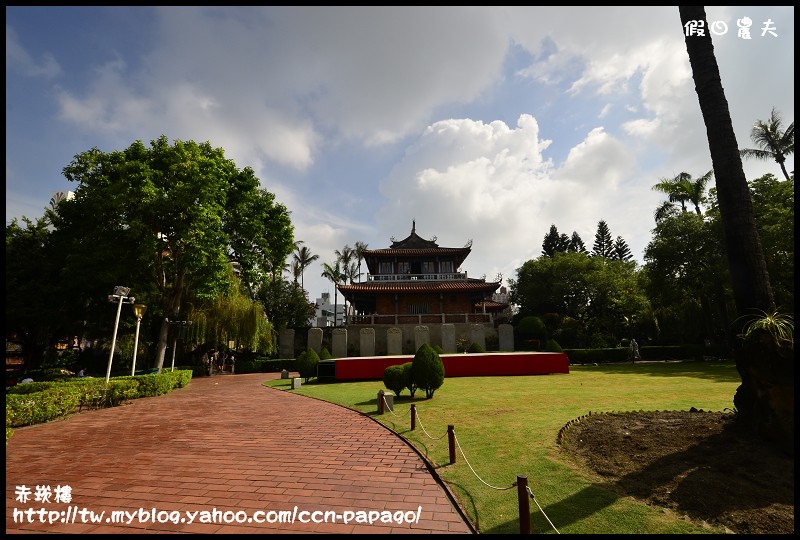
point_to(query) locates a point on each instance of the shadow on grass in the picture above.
(581, 505)
(717, 371)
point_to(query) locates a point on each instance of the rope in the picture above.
(386, 406)
(425, 432)
(473, 470)
(540, 509)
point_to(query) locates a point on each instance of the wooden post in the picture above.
(524, 505)
(413, 417)
(451, 439)
(380, 401)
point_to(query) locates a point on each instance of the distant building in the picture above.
(325, 309)
(58, 196)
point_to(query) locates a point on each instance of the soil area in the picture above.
(701, 465)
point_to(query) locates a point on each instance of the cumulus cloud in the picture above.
(18, 57)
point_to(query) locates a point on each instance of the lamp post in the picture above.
(138, 310)
(120, 295)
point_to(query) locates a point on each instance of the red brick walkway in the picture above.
(221, 446)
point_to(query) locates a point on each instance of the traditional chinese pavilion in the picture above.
(416, 281)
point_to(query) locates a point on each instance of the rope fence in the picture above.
(523, 491)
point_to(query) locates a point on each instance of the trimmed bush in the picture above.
(532, 327)
(553, 346)
(325, 354)
(427, 370)
(476, 348)
(394, 379)
(409, 378)
(40, 407)
(35, 403)
(307, 364)
(438, 349)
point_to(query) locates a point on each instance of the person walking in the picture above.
(634, 350)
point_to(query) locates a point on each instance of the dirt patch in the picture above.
(702, 465)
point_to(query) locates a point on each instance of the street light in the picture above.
(120, 295)
(138, 310)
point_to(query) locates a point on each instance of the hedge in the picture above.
(35, 403)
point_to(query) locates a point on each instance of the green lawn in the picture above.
(507, 426)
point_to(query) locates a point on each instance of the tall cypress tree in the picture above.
(603, 243)
(554, 242)
(576, 244)
(621, 250)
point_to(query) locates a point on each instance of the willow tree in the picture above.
(234, 317)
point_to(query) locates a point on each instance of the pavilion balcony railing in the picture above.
(451, 276)
(422, 318)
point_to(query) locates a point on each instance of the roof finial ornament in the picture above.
(413, 225)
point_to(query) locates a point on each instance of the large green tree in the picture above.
(34, 303)
(765, 399)
(772, 140)
(773, 204)
(167, 220)
(687, 272)
(286, 304)
(602, 297)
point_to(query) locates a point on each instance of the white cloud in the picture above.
(413, 97)
(19, 58)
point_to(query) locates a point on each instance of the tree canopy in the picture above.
(167, 220)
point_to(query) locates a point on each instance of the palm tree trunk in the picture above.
(761, 398)
(783, 168)
(751, 286)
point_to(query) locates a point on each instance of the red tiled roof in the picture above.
(404, 252)
(491, 304)
(418, 286)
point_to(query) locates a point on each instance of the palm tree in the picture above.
(758, 397)
(303, 258)
(683, 188)
(296, 270)
(350, 273)
(771, 141)
(334, 274)
(344, 258)
(360, 248)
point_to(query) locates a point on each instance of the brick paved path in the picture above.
(230, 444)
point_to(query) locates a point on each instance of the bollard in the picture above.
(451, 439)
(524, 505)
(380, 401)
(413, 417)
(388, 401)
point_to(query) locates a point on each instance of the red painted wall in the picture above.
(460, 365)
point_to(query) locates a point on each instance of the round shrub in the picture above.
(532, 327)
(476, 348)
(409, 378)
(394, 379)
(325, 354)
(427, 370)
(553, 346)
(307, 364)
(438, 349)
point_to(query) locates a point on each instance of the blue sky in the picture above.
(487, 124)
